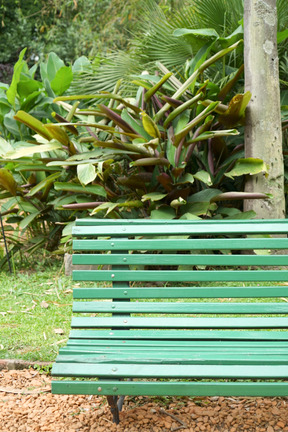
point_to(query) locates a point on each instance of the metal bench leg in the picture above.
(112, 401)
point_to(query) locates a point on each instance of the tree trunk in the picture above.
(263, 134)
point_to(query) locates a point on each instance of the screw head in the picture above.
(115, 389)
(99, 389)
(111, 333)
(124, 259)
(125, 321)
(112, 244)
(114, 369)
(112, 276)
(125, 292)
(113, 306)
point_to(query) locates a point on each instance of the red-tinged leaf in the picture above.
(173, 102)
(235, 114)
(231, 196)
(117, 120)
(61, 119)
(150, 161)
(166, 181)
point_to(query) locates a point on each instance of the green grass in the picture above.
(32, 307)
(36, 302)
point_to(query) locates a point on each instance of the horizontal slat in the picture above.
(180, 308)
(184, 388)
(168, 357)
(175, 345)
(180, 335)
(181, 244)
(180, 292)
(173, 371)
(180, 276)
(180, 259)
(207, 222)
(179, 229)
(148, 322)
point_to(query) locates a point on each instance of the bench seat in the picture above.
(194, 308)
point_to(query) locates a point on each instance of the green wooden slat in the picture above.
(178, 344)
(171, 371)
(203, 335)
(176, 350)
(180, 292)
(180, 308)
(169, 358)
(99, 222)
(134, 388)
(180, 259)
(148, 322)
(185, 275)
(181, 244)
(178, 229)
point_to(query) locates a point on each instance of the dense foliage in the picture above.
(170, 152)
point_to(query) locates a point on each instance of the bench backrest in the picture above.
(184, 263)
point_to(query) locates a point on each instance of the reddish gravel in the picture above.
(26, 405)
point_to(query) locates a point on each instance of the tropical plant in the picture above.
(173, 37)
(170, 152)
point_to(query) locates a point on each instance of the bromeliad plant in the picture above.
(171, 152)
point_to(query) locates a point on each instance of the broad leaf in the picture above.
(163, 212)
(5, 147)
(204, 177)
(53, 65)
(74, 187)
(153, 196)
(86, 173)
(44, 183)
(62, 80)
(236, 110)
(28, 219)
(250, 166)
(12, 91)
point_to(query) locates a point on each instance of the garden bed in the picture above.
(27, 405)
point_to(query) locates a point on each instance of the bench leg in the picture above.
(112, 401)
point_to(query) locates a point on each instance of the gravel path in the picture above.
(27, 405)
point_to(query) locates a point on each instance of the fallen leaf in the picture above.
(1, 347)
(59, 331)
(68, 291)
(44, 334)
(3, 313)
(44, 304)
(59, 342)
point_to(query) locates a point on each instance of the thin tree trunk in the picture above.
(263, 135)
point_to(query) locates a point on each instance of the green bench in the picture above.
(165, 317)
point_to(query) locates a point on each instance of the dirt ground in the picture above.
(27, 405)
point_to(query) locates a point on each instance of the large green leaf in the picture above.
(197, 35)
(250, 166)
(86, 173)
(53, 65)
(28, 219)
(44, 183)
(12, 91)
(62, 80)
(163, 212)
(74, 187)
